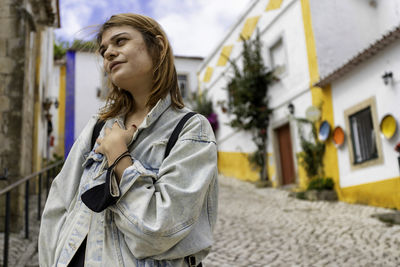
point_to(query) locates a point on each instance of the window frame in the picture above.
(371, 103)
(279, 38)
(187, 92)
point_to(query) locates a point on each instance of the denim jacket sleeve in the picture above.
(60, 201)
(157, 210)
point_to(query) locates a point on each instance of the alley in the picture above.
(265, 227)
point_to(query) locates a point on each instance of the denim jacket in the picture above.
(166, 208)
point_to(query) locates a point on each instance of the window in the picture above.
(363, 136)
(183, 84)
(363, 133)
(278, 57)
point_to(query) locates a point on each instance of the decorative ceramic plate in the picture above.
(338, 136)
(313, 113)
(324, 131)
(388, 126)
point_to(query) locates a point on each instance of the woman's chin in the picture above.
(118, 81)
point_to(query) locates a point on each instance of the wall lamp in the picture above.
(291, 108)
(387, 77)
(48, 102)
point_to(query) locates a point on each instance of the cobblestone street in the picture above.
(265, 227)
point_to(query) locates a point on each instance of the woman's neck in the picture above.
(140, 95)
(140, 109)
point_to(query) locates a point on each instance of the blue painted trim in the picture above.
(70, 103)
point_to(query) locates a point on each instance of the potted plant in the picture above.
(319, 186)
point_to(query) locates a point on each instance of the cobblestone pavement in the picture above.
(265, 227)
(22, 251)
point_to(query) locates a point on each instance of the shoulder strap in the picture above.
(171, 141)
(175, 134)
(96, 131)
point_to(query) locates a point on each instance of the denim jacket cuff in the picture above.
(103, 195)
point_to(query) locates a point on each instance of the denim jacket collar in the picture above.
(151, 117)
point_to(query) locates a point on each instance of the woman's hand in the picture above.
(115, 142)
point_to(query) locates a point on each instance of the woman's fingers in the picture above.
(116, 125)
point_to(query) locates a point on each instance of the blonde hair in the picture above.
(120, 102)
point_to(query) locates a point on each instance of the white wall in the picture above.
(344, 28)
(88, 75)
(189, 67)
(286, 22)
(87, 79)
(45, 85)
(364, 82)
(54, 93)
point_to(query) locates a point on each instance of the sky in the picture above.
(194, 27)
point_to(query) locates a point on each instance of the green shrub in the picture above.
(248, 100)
(321, 184)
(301, 195)
(311, 158)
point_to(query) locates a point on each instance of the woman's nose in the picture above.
(110, 53)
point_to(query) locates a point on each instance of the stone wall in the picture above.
(20, 40)
(12, 69)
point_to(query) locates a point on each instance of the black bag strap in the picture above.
(175, 134)
(171, 141)
(96, 131)
(191, 261)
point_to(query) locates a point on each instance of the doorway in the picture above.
(286, 154)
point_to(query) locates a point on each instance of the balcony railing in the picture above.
(48, 174)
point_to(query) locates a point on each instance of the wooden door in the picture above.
(286, 154)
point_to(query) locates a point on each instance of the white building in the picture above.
(306, 41)
(362, 103)
(186, 68)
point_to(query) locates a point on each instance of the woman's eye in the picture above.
(120, 41)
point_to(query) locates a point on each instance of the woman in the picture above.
(121, 203)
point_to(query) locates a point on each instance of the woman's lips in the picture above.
(114, 65)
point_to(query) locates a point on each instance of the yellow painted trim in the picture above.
(320, 98)
(248, 28)
(310, 42)
(36, 157)
(224, 56)
(331, 162)
(274, 4)
(61, 112)
(236, 164)
(384, 193)
(208, 74)
(312, 68)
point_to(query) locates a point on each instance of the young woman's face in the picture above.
(125, 57)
